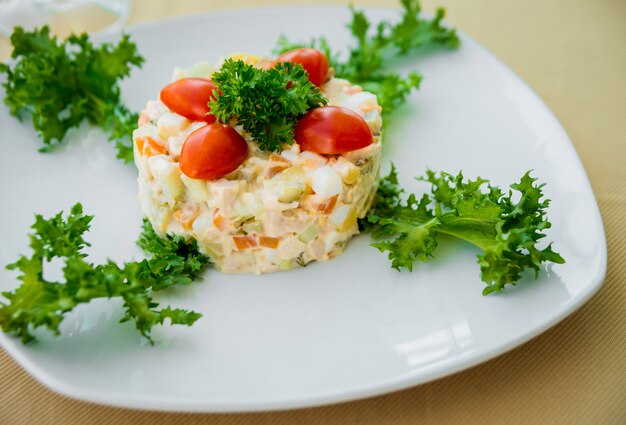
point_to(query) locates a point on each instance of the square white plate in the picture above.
(334, 331)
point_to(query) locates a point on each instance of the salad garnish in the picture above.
(41, 302)
(505, 227)
(369, 60)
(267, 103)
(60, 84)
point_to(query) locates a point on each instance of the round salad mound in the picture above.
(277, 210)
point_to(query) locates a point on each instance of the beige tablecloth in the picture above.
(573, 53)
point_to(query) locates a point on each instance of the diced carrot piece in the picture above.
(154, 148)
(147, 146)
(245, 242)
(139, 142)
(187, 216)
(220, 222)
(268, 242)
(327, 206)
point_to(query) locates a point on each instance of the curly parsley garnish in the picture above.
(60, 84)
(370, 58)
(267, 103)
(505, 229)
(40, 302)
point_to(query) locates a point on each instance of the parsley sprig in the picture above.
(39, 302)
(60, 84)
(267, 103)
(369, 59)
(505, 227)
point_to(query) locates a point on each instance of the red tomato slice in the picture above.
(212, 152)
(332, 130)
(313, 61)
(189, 97)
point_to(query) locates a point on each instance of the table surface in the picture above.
(572, 53)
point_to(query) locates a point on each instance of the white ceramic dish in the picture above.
(333, 331)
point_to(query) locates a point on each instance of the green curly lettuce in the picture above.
(60, 84)
(39, 302)
(505, 226)
(369, 60)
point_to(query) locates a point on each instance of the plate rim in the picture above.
(391, 384)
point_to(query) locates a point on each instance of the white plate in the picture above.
(333, 331)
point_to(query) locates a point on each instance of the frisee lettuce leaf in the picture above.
(368, 61)
(38, 302)
(505, 226)
(60, 84)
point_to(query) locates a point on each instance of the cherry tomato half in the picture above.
(212, 151)
(332, 130)
(189, 97)
(313, 61)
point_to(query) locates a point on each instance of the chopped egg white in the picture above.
(325, 182)
(171, 124)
